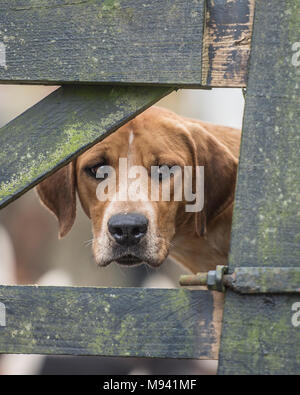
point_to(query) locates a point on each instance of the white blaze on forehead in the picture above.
(131, 137)
(130, 153)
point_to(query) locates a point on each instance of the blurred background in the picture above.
(31, 253)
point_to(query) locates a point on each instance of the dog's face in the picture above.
(130, 227)
(132, 231)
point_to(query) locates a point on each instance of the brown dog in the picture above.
(130, 232)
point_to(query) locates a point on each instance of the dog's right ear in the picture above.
(220, 167)
(58, 193)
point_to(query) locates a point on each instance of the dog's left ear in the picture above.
(220, 169)
(58, 193)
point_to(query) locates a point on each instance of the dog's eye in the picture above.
(163, 171)
(98, 171)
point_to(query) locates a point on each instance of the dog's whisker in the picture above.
(146, 268)
(87, 243)
(172, 244)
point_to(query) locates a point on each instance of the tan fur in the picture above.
(199, 242)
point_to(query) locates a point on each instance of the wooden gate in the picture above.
(113, 59)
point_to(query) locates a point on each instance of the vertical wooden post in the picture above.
(260, 333)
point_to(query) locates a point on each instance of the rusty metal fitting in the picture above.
(248, 280)
(199, 279)
(213, 279)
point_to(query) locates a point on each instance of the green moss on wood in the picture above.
(108, 322)
(258, 336)
(108, 41)
(64, 124)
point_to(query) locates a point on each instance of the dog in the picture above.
(132, 231)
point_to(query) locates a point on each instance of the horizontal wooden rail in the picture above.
(64, 124)
(121, 41)
(173, 323)
(126, 42)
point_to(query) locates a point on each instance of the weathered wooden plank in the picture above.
(102, 41)
(108, 321)
(261, 333)
(227, 42)
(63, 125)
(118, 41)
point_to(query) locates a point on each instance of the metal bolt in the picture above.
(213, 279)
(249, 280)
(194, 279)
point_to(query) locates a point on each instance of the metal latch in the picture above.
(248, 280)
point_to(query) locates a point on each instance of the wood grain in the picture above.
(227, 42)
(102, 41)
(127, 41)
(137, 322)
(258, 334)
(60, 127)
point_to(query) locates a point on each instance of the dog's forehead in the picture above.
(117, 141)
(154, 128)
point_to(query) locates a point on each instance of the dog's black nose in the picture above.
(128, 229)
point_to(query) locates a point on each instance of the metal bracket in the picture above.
(248, 280)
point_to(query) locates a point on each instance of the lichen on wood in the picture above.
(137, 322)
(102, 41)
(258, 336)
(64, 124)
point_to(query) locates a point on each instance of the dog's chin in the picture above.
(130, 261)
